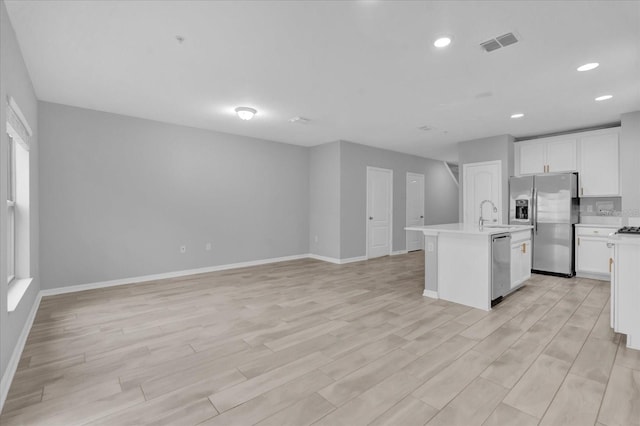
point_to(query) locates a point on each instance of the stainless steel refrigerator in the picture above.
(550, 203)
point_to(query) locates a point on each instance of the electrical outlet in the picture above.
(183, 249)
(430, 247)
(207, 247)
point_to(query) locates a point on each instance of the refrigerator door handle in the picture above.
(535, 210)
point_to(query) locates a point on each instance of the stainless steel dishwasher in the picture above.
(500, 266)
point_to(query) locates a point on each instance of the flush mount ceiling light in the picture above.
(245, 113)
(604, 98)
(517, 115)
(588, 67)
(442, 42)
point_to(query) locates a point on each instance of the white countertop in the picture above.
(596, 225)
(468, 228)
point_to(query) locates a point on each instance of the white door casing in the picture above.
(482, 181)
(415, 210)
(379, 211)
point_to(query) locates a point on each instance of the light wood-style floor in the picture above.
(306, 342)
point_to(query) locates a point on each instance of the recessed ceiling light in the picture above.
(603, 98)
(518, 115)
(299, 120)
(442, 42)
(589, 66)
(245, 113)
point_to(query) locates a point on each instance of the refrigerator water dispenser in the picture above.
(522, 209)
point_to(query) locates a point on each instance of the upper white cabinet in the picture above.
(561, 155)
(599, 165)
(594, 155)
(546, 155)
(532, 158)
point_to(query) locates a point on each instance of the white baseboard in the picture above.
(335, 260)
(175, 274)
(397, 252)
(324, 258)
(353, 259)
(7, 378)
(591, 276)
(430, 293)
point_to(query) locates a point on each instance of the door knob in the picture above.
(370, 217)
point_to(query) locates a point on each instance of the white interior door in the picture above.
(482, 181)
(379, 199)
(415, 210)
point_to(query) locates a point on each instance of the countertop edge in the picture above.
(624, 239)
(487, 231)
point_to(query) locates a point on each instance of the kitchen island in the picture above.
(458, 261)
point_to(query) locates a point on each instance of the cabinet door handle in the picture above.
(524, 247)
(578, 241)
(610, 263)
(581, 191)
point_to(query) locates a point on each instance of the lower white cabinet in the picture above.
(592, 253)
(520, 258)
(625, 288)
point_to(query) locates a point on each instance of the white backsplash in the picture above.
(602, 220)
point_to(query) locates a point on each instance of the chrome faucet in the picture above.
(482, 220)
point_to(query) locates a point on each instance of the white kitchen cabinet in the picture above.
(599, 170)
(520, 258)
(546, 155)
(625, 288)
(561, 155)
(532, 158)
(592, 253)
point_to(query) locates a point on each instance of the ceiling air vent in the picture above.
(490, 45)
(507, 39)
(498, 42)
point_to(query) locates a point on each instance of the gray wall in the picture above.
(324, 202)
(441, 204)
(15, 82)
(488, 149)
(629, 163)
(120, 195)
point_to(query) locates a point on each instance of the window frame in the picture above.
(11, 211)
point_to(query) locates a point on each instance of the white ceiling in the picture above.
(362, 71)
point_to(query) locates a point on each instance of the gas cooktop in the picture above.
(635, 230)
